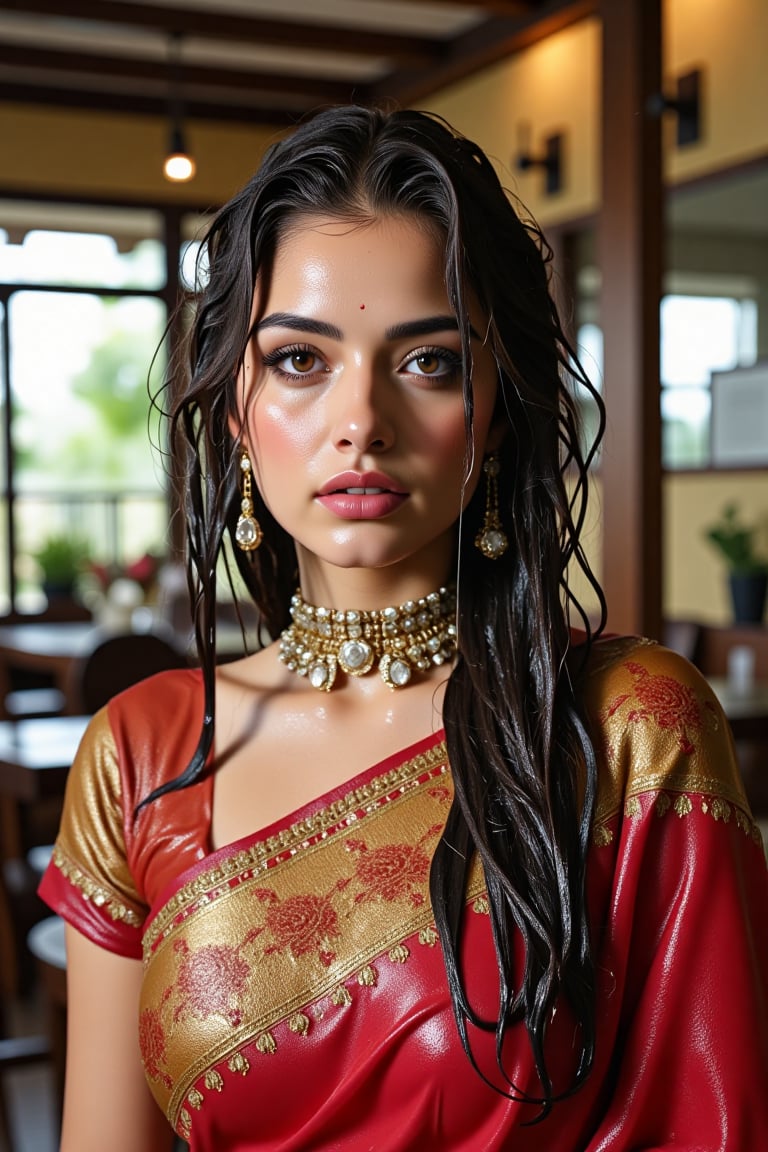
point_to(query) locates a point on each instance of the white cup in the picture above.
(741, 667)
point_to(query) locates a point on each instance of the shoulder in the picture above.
(656, 726)
(180, 688)
(158, 705)
(155, 726)
(139, 739)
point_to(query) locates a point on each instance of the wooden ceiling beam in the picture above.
(489, 42)
(218, 25)
(261, 111)
(185, 79)
(498, 7)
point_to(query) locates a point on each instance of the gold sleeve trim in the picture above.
(90, 848)
(91, 890)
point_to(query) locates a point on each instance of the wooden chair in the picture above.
(31, 703)
(15, 1051)
(715, 644)
(46, 943)
(751, 735)
(684, 637)
(21, 699)
(117, 662)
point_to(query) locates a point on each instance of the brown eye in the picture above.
(428, 363)
(303, 361)
(432, 363)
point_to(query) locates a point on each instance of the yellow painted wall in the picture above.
(695, 575)
(728, 39)
(553, 87)
(103, 154)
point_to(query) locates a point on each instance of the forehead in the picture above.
(400, 252)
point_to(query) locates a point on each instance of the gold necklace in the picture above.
(410, 638)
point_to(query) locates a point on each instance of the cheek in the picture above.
(449, 442)
(281, 439)
(446, 441)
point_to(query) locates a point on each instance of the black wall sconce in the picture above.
(551, 161)
(686, 104)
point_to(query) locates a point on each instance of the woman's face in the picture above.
(352, 395)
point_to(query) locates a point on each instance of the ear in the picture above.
(237, 429)
(236, 421)
(497, 433)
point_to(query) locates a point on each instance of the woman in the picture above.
(347, 944)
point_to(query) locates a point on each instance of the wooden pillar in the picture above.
(630, 242)
(563, 283)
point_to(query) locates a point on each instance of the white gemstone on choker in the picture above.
(413, 637)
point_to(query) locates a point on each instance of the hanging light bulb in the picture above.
(179, 165)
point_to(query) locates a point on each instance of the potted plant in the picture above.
(62, 560)
(747, 564)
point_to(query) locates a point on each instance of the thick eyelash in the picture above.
(454, 362)
(273, 359)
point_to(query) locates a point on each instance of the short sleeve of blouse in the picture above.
(88, 881)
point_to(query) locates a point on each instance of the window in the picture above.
(83, 310)
(699, 335)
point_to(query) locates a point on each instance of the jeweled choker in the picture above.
(399, 641)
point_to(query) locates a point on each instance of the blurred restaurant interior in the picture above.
(634, 132)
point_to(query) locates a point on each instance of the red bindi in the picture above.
(362, 307)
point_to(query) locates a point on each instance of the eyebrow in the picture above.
(299, 324)
(403, 331)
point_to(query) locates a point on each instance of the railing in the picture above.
(117, 527)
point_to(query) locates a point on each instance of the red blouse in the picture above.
(294, 994)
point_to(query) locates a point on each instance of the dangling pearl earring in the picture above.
(492, 539)
(248, 533)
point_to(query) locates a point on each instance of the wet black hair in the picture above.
(521, 757)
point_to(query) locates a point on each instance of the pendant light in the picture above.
(179, 164)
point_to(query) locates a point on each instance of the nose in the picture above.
(362, 421)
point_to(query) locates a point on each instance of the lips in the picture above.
(361, 496)
(361, 483)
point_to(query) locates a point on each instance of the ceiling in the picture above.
(259, 61)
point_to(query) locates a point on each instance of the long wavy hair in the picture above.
(521, 757)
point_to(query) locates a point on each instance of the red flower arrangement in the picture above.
(142, 571)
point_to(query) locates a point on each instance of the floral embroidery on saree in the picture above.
(661, 736)
(278, 933)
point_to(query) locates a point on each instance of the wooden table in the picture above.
(745, 708)
(48, 648)
(53, 649)
(35, 756)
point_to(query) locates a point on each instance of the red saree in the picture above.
(294, 996)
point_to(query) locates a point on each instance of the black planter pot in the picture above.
(748, 594)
